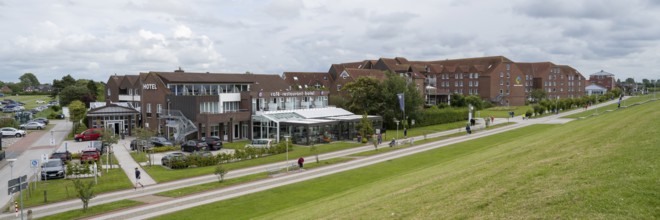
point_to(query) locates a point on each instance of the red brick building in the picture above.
(603, 79)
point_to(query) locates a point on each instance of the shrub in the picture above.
(165, 149)
(433, 116)
(529, 113)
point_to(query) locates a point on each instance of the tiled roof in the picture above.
(186, 77)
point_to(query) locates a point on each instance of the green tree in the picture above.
(71, 93)
(220, 171)
(413, 101)
(28, 79)
(475, 101)
(84, 191)
(364, 95)
(630, 80)
(77, 112)
(59, 85)
(539, 94)
(365, 128)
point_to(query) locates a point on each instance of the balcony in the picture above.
(135, 98)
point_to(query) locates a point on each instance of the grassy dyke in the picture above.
(603, 167)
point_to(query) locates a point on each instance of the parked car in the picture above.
(52, 169)
(42, 120)
(171, 157)
(90, 155)
(89, 135)
(12, 132)
(139, 143)
(261, 143)
(32, 125)
(9, 108)
(213, 142)
(40, 101)
(193, 145)
(60, 116)
(160, 141)
(64, 156)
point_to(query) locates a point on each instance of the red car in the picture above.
(91, 134)
(90, 155)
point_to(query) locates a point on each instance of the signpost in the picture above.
(17, 185)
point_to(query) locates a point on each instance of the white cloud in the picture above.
(91, 39)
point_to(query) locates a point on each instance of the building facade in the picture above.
(603, 79)
(182, 105)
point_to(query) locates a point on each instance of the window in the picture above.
(501, 74)
(508, 75)
(159, 108)
(508, 66)
(148, 110)
(501, 92)
(338, 87)
(476, 83)
(470, 86)
(501, 82)
(476, 75)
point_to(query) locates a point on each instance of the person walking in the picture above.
(405, 132)
(300, 162)
(137, 179)
(467, 129)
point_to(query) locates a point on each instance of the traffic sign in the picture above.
(44, 158)
(34, 163)
(13, 189)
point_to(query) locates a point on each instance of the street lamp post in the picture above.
(397, 128)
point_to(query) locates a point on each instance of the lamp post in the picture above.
(286, 138)
(397, 128)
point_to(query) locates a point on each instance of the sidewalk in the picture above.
(122, 153)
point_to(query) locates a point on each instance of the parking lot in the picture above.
(77, 147)
(7, 141)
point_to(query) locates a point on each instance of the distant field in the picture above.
(603, 167)
(29, 100)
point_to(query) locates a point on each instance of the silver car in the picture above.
(32, 125)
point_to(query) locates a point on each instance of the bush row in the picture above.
(238, 155)
(433, 116)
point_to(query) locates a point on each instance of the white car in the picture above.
(40, 101)
(12, 132)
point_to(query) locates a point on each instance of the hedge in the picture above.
(434, 116)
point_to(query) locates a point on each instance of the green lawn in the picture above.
(93, 210)
(502, 111)
(162, 174)
(63, 189)
(601, 110)
(603, 167)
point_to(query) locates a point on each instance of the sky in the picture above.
(96, 39)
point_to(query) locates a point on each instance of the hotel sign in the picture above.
(149, 86)
(298, 93)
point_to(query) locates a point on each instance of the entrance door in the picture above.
(236, 131)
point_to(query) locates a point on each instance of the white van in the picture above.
(261, 143)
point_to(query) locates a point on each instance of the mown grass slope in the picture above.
(603, 167)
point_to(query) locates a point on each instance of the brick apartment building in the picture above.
(603, 79)
(496, 79)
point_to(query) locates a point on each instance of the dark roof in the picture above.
(186, 77)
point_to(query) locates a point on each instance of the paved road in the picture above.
(172, 205)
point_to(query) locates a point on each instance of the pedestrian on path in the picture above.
(405, 132)
(300, 162)
(467, 129)
(492, 119)
(137, 179)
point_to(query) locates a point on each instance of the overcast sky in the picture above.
(94, 39)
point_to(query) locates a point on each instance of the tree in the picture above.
(630, 80)
(93, 89)
(71, 93)
(143, 135)
(85, 192)
(77, 112)
(365, 128)
(59, 85)
(220, 171)
(539, 94)
(28, 79)
(364, 95)
(413, 101)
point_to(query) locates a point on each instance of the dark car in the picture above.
(42, 120)
(64, 156)
(54, 168)
(136, 143)
(213, 142)
(171, 157)
(60, 116)
(160, 141)
(193, 145)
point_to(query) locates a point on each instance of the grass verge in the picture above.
(601, 110)
(93, 210)
(63, 189)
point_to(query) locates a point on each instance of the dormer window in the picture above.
(295, 78)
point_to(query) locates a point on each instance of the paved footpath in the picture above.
(122, 153)
(175, 204)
